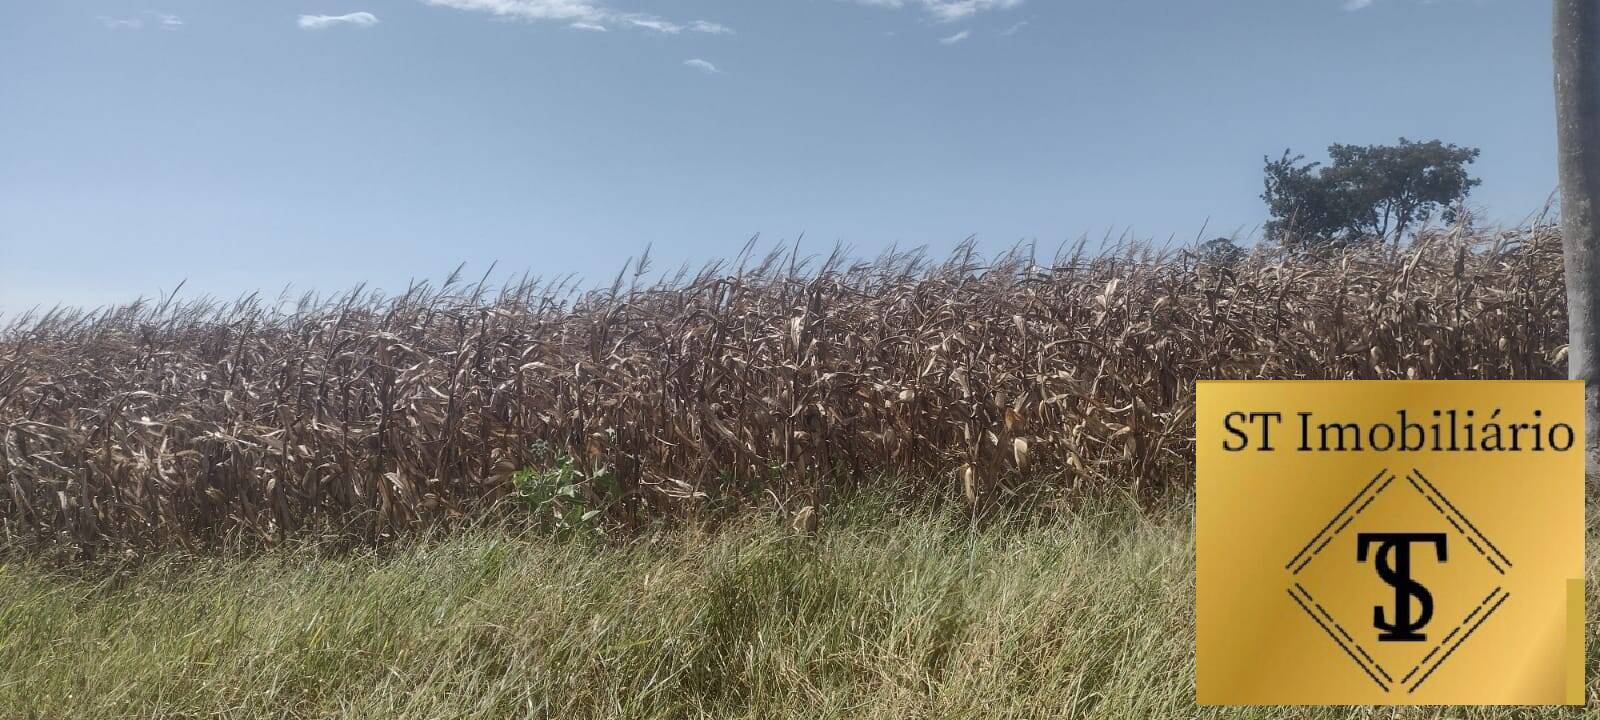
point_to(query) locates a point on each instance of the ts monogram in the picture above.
(1394, 566)
(1394, 558)
(1422, 574)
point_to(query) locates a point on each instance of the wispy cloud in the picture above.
(704, 66)
(165, 21)
(1014, 29)
(321, 22)
(573, 10)
(1353, 5)
(580, 15)
(651, 22)
(947, 10)
(958, 37)
(702, 26)
(113, 23)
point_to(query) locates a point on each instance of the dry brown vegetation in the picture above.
(1005, 381)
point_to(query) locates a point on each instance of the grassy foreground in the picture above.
(883, 615)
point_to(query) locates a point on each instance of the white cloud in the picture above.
(1014, 29)
(165, 20)
(121, 23)
(958, 37)
(704, 66)
(1357, 5)
(702, 26)
(575, 10)
(652, 23)
(579, 14)
(320, 22)
(947, 10)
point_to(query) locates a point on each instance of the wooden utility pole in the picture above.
(1577, 64)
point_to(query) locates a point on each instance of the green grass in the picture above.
(885, 614)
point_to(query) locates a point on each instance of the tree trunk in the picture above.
(1577, 65)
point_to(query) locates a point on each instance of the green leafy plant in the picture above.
(563, 498)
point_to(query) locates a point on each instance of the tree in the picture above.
(1223, 252)
(1366, 191)
(1576, 38)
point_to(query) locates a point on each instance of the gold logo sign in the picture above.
(1415, 543)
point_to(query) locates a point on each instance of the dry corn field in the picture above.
(995, 382)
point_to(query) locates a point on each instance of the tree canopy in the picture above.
(1366, 191)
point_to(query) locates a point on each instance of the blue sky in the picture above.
(323, 143)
